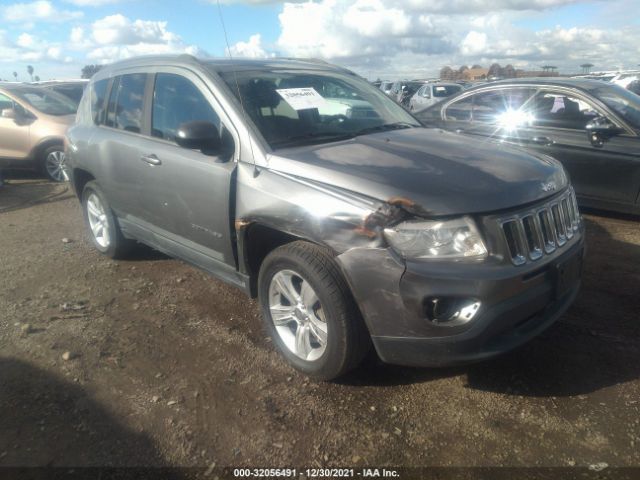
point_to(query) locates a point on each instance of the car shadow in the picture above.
(596, 343)
(50, 422)
(23, 189)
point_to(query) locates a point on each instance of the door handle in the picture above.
(151, 159)
(541, 141)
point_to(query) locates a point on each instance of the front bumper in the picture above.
(517, 303)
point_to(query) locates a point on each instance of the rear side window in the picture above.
(126, 102)
(176, 101)
(493, 105)
(98, 93)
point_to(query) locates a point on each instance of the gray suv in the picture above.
(354, 228)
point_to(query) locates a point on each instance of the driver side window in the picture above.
(176, 101)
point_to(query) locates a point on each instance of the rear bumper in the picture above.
(517, 303)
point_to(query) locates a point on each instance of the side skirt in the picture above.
(178, 247)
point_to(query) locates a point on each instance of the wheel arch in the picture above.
(39, 149)
(255, 241)
(80, 178)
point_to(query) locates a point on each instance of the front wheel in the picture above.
(309, 312)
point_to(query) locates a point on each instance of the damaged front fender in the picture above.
(314, 211)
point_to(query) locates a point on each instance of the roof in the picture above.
(60, 82)
(581, 83)
(226, 64)
(17, 85)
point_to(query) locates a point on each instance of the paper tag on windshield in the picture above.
(302, 98)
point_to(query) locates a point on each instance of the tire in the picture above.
(52, 164)
(94, 205)
(346, 339)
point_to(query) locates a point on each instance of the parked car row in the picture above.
(33, 121)
(417, 95)
(629, 79)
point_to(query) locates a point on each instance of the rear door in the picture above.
(117, 143)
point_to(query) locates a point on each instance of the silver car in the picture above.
(431, 93)
(306, 187)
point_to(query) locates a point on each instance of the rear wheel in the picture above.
(102, 225)
(309, 312)
(53, 164)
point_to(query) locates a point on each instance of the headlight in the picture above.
(436, 239)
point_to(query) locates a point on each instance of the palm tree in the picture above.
(15, 75)
(30, 71)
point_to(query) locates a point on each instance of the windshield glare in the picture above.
(303, 107)
(623, 102)
(46, 101)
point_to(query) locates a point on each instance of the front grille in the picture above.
(540, 230)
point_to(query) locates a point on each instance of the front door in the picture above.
(14, 132)
(185, 192)
(610, 172)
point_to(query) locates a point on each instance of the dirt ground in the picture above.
(169, 367)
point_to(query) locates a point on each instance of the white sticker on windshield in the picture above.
(302, 98)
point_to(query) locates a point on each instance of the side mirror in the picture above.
(9, 113)
(601, 129)
(199, 135)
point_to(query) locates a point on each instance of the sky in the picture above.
(385, 39)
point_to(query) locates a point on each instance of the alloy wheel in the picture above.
(297, 315)
(98, 221)
(55, 165)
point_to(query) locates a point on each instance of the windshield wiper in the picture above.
(386, 127)
(309, 138)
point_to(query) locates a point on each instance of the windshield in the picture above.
(46, 101)
(443, 91)
(298, 107)
(623, 102)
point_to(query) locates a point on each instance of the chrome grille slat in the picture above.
(531, 234)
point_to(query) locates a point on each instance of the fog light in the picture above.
(450, 311)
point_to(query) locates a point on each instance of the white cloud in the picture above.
(116, 37)
(91, 3)
(475, 43)
(251, 49)
(446, 6)
(39, 11)
(105, 40)
(415, 38)
(77, 35)
(25, 40)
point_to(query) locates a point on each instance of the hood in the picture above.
(440, 172)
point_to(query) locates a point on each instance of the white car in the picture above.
(431, 93)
